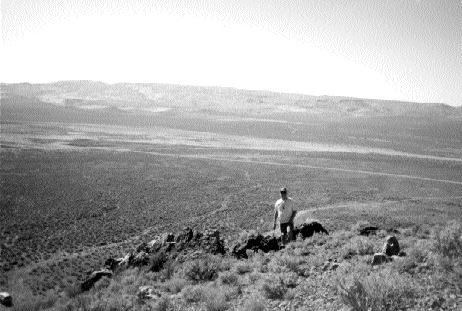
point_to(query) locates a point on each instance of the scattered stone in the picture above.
(380, 258)
(307, 229)
(330, 266)
(368, 230)
(6, 299)
(391, 246)
(147, 292)
(93, 278)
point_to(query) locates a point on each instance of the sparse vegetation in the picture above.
(63, 212)
(205, 269)
(382, 290)
(274, 288)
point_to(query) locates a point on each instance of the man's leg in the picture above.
(284, 233)
(291, 232)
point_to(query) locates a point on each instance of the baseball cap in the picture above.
(283, 190)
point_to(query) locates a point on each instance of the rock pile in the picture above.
(165, 247)
(390, 250)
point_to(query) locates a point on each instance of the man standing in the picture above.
(285, 210)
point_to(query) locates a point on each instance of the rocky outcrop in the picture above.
(172, 245)
(391, 246)
(6, 299)
(93, 278)
(307, 229)
(259, 242)
(255, 242)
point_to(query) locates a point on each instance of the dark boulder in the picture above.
(391, 246)
(93, 278)
(307, 229)
(368, 230)
(380, 258)
(255, 242)
(6, 299)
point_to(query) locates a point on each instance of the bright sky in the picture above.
(390, 49)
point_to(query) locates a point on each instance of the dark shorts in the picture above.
(285, 225)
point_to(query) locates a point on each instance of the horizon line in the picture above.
(237, 88)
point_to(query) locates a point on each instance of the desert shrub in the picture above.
(226, 263)
(163, 304)
(290, 294)
(72, 291)
(448, 240)
(243, 268)
(338, 239)
(35, 303)
(157, 261)
(168, 270)
(358, 246)
(201, 270)
(292, 263)
(254, 277)
(421, 231)
(102, 284)
(175, 285)
(192, 293)
(229, 278)
(359, 225)
(260, 262)
(380, 290)
(417, 254)
(215, 300)
(253, 304)
(81, 302)
(290, 279)
(274, 288)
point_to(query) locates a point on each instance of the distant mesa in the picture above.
(156, 98)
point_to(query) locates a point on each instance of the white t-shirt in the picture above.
(284, 209)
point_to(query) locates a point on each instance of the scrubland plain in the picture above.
(83, 179)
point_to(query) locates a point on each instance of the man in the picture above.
(285, 210)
